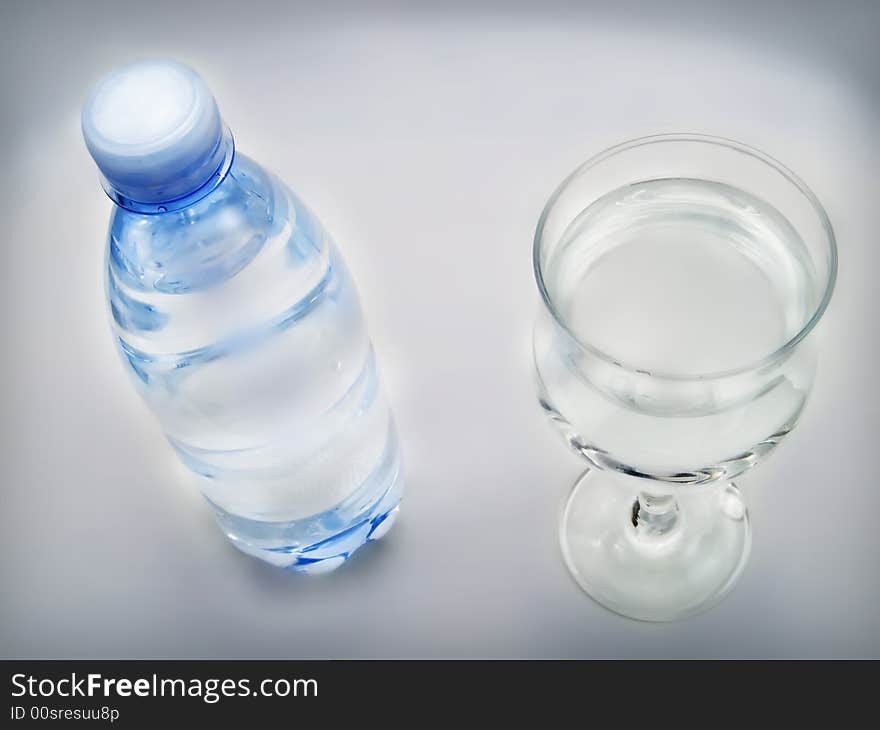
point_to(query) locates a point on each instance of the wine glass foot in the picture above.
(654, 575)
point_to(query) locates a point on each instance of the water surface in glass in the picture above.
(683, 276)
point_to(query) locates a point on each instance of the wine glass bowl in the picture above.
(680, 276)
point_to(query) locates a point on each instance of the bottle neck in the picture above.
(201, 188)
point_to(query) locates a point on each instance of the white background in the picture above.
(427, 141)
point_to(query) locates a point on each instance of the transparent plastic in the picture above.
(680, 277)
(235, 315)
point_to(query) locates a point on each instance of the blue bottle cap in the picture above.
(155, 132)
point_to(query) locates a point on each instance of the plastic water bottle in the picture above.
(240, 326)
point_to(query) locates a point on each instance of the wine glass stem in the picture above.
(654, 515)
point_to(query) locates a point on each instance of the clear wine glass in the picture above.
(680, 276)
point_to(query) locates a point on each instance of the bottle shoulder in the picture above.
(246, 258)
(203, 244)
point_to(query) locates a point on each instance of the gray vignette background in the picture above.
(427, 138)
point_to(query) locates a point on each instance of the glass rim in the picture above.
(790, 176)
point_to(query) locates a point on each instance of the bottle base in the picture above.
(319, 543)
